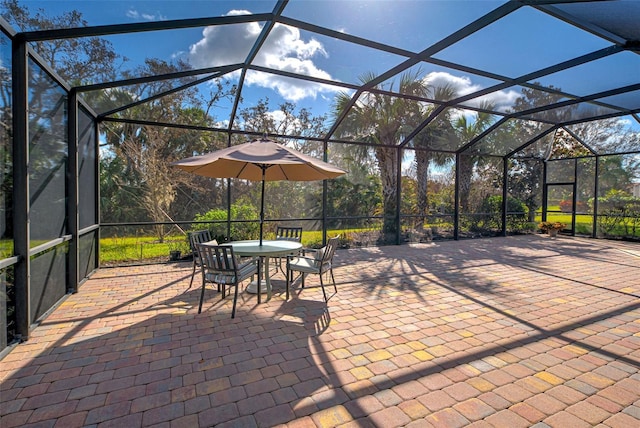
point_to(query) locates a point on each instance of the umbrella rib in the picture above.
(265, 166)
(284, 173)
(317, 169)
(241, 169)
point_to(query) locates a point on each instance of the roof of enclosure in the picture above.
(580, 60)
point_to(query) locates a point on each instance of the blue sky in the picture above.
(408, 24)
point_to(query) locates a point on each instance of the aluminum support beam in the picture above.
(73, 226)
(21, 236)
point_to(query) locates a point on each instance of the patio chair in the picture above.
(286, 233)
(289, 233)
(317, 262)
(219, 265)
(198, 237)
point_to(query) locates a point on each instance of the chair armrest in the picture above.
(308, 251)
(312, 261)
(315, 253)
(247, 261)
(300, 256)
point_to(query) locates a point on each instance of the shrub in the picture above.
(567, 205)
(239, 230)
(489, 213)
(548, 225)
(619, 214)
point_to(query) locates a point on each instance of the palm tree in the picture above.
(381, 120)
(439, 129)
(466, 131)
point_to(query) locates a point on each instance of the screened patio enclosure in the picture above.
(442, 140)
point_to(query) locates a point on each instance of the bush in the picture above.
(619, 215)
(489, 213)
(567, 205)
(520, 226)
(549, 225)
(239, 230)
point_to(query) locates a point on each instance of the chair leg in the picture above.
(193, 273)
(201, 297)
(290, 274)
(288, 281)
(235, 300)
(334, 280)
(324, 293)
(258, 284)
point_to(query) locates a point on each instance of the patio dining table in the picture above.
(268, 249)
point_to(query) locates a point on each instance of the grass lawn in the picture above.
(121, 249)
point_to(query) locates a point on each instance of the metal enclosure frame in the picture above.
(22, 51)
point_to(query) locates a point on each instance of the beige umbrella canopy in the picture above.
(260, 160)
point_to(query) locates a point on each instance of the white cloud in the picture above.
(464, 86)
(284, 50)
(502, 100)
(134, 14)
(461, 84)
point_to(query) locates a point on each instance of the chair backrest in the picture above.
(217, 258)
(199, 237)
(330, 249)
(289, 233)
(324, 255)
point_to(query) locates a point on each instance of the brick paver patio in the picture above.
(504, 332)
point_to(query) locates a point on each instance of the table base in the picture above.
(252, 287)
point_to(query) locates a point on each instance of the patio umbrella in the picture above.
(260, 160)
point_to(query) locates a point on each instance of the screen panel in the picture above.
(7, 307)
(48, 279)
(6, 151)
(87, 245)
(48, 155)
(87, 155)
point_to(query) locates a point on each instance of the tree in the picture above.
(286, 199)
(563, 145)
(613, 135)
(146, 151)
(351, 199)
(381, 120)
(133, 148)
(439, 131)
(77, 60)
(466, 131)
(525, 183)
(616, 171)
(525, 168)
(6, 157)
(285, 120)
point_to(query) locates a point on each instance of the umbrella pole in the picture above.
(262, 203)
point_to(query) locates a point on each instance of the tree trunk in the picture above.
(422, 177)
(388, 172)
(531, 215)
(466, 172)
